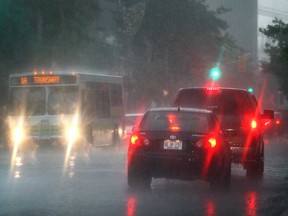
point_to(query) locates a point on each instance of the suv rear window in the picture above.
(228, 101)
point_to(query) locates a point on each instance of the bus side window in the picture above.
(102, 99)
(98, 100)
(90, 104)
(116, 95)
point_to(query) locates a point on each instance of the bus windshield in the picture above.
(62, 100)
(27, 101)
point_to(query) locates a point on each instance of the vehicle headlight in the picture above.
(18, 134)
(72, 128)
(120, 132)
(72, 133)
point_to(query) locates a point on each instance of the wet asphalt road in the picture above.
(94, 183)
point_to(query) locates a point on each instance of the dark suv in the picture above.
(238, 112)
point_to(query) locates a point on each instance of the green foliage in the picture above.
(176, 44)
(51, 34)
(277, 49)
(129, 3)
(160, 44)
(54, 33)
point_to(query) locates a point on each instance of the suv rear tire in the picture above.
(255, 170)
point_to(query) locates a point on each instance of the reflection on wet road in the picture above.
(94, 183)
(251, 203)
(131, 206)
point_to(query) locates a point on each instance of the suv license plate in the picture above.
(172, 145)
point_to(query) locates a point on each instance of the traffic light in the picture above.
(250, 89)
(215, 73)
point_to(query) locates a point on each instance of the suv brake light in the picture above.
(250, 123)
(212, 88)
(253, 124)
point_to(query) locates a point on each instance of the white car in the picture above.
(131, 120)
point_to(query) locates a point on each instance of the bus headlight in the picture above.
(18, 134)
(71, 128)
(72, 133)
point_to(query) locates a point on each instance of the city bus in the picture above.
(65, 107)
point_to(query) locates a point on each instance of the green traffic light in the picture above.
(250, 89)
(215, 73)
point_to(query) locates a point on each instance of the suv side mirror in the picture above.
(268, 114)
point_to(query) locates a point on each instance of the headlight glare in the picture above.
(18, 134)
(72, 133)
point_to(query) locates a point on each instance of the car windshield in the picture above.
(220, 101)
(29, 101)
(175, 121)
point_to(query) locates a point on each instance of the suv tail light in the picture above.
(253, 124)
(212, 89)
(250, 123)
(210, 142)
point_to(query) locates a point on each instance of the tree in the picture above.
(277, 49)
(37, 34)
(49, 34)
(176, 45)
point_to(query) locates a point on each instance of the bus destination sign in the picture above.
(46, 79)
(43, 80)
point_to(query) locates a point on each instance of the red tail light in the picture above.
(212, 88)
(175, 128)
(138, 140)
(212, 142)
(278, 121)
(134, 139)
(209, 143)
(251, 124)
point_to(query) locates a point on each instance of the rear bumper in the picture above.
(244, 154)
(185, 167)
(245, 149)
